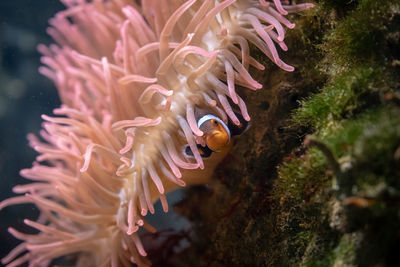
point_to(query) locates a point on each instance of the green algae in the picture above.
(355, 117)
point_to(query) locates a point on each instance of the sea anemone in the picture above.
(149, 104)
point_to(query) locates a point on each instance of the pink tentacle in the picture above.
(146, 191)
(192, 120)
(156, 179)
(230, 79)
(170, 163)
(269, 19)
(151, 90)
(279, 7)
(191, 141)
(174, 155)
(137, 122)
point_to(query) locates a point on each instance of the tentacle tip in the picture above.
(265, 4)
(123, 151)
(212, 103)
(291, 25)
(236, 122)
(143, 212)
(235, 100)
(132, 230)
(178, 175)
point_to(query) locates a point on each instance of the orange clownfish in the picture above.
(216, 133)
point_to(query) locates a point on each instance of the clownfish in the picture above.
(217, 135)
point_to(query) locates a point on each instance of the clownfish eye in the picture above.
(216, 133)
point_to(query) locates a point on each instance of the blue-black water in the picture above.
(24, 96)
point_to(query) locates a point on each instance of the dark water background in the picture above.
(24, 96)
